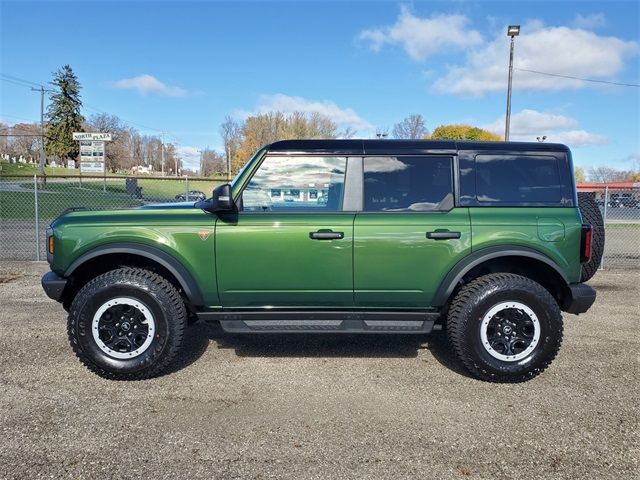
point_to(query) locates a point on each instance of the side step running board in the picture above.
(322, 322)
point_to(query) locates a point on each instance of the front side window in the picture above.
(408, 184)
(518, 179)
(296, 184)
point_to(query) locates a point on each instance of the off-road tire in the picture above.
(477, 298)
(591, 214)
(161, 298)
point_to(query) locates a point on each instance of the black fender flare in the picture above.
(461, 268)
(172, 264)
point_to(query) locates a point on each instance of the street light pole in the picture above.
(513, 31)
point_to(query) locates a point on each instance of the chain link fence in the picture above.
(28, 204)
(620, 209)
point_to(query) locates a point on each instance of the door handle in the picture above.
(443, 235)
(326, 235)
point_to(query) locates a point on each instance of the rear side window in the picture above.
(407, 184)
(518, 179)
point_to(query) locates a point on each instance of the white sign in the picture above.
(71, 164)
(106, 137)
(91, 156)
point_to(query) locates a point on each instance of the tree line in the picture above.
(241, 138)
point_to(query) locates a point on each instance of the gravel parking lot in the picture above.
(320, 407)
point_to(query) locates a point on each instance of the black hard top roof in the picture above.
(403, 147)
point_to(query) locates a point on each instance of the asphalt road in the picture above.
(317, 407)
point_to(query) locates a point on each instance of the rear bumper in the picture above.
(53, 285)
(582, 297)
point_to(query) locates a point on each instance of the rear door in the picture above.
(410, 233)
(291, 244)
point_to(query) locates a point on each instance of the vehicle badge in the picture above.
(203, 234)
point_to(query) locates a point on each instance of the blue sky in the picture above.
(180, 67)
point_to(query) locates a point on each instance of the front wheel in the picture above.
(504, 327)
(127, 324)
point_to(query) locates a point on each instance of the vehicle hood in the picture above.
(154, 214)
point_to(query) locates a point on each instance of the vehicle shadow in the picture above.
(202, 335)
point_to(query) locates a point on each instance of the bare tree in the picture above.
(231, 132)
(607, 175)
(213, 163)
(411, 127)
(348, 132)
(23, 140)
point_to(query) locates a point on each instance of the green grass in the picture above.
(57, 195)
(7, 168)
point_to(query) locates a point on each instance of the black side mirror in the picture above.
(221, 201)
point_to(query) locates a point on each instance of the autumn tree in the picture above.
(580, 175)
(264, 128)
(63, 115)
(412, 127)
(464, 132)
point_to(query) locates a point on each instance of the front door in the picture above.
(409, 233)
(291, 243)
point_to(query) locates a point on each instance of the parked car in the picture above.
(485, 240)
(192, 195)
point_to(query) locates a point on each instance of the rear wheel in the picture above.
(504, 327)
(591, 214)
(127, 324)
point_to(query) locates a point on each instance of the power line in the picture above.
(18, 118)
(16, 83)
(13, 79)
(578, 78)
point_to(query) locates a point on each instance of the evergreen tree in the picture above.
(63, 115)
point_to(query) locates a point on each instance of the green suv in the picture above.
(485, 240)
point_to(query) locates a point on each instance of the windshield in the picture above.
(239, 175)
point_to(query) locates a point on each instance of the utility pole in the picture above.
(42, 155)
(176, 159)
(162, 153)
(201, 152)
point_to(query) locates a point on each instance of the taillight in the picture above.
(585, 244)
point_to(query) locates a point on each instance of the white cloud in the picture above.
(589, 22)
(423, 37)
(344, 117)
(526, 125)
(146, 84)
(532, 122)
(559, 50)
(190, 157)
(577, 138)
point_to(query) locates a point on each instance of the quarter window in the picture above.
(407, 184)
(296, 184)
(518, 179)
